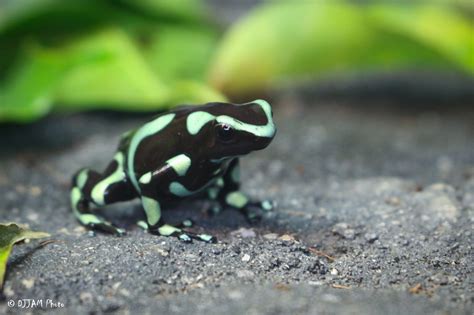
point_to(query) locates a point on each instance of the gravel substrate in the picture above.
(375, 215)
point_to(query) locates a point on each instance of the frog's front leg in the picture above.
(92, 188)
(153, 182)
(229, 194)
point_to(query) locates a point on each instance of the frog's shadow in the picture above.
(127, 214)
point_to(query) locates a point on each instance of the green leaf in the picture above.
(28, 93)
(181, 53)
(421, 23)
(283, 41)
(123, 81)
(9, 235)
(194, 92)
(126, 55)
(105, 70)
(52, 21)
(178, 10)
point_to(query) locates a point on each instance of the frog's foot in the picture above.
(96, 222)
(185, 223)
(108, 228)
(182, 235)
(253, 210)
(266, 205)
(252, 214)
(80, 206)
(213, 208)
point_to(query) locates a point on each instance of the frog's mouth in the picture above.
(246, 143)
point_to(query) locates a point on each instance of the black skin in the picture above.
(210, 143)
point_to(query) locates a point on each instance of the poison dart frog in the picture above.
(181, 153)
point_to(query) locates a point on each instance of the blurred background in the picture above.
(372, 166)
(149, 55)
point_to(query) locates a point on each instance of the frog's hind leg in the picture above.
(92, 188)
(156, 225)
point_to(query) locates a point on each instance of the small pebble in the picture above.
(235, 295)
(344, 230)
(86, 297)
(271, 236)
(371, 237)
(8, 291)
(35, 191)
(246, 258)
(245, 274)
(28, 283)
(287, 238)
(349, 234)
(394, 201)
(244, 233)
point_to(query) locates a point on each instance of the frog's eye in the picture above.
(225, 133)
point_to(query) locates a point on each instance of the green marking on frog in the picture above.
(146, 130)
(213, 192)
(197, 120)
(75, 197)
(187, 223)
(180, 164)
(177, 189)
(152, 210)
(145, 178)
(167, 230)
(82, 178)
(266, 205)
(85, 218)
(98, 192)
(184, 237)
(206, 237)
(235, 174)
(236, 199)
(142, 224)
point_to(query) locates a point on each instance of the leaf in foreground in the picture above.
(9, 235)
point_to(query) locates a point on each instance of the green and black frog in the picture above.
(184, 152)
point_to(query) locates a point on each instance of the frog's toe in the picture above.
(251, 215)
(207, 238)
(185, 238)
(120, 232)
(188, 237)
(267, 205)
(142, 224)
(108, 228)
(264, 205)
(186, 223)
(182, 235)
(213, 209)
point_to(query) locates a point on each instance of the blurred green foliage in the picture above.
(285, 40)
(153, 54)
(123, 54)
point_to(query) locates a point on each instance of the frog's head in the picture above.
(230, 130)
